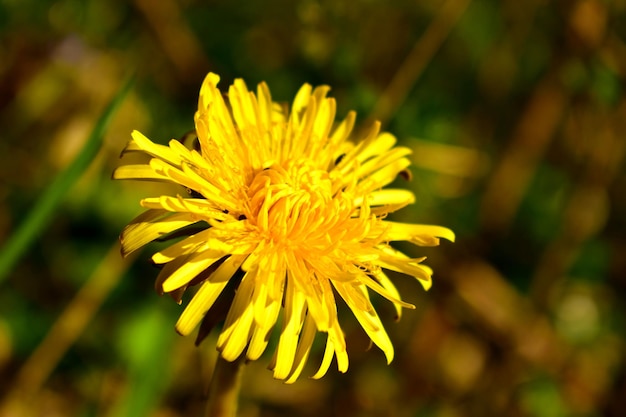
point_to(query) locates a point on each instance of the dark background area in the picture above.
(515, 112)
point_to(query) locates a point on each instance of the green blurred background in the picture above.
(516, 113)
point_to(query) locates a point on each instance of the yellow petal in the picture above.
(372, 144)
(387, 290)
(193, 266)
(375, 144)
(342, 361)
(304, 348)
(244, 106)
(391, 294)
(190, 179)
(420, 234)
(236, 332)
(193, 244)
(260, 336)
(300, 102)
(319, 307)
(386, 197)
(329, 352)
(288, 341)
(266, 110)
(131, 147)
(385, 175)
(158, 151)
(355, 296)
(335, 346)
(240, 335)
(167, 270)
(206, 295)
(138, 172)
(382, 161)
(302, 127)
(321, 127)
(151, 225)
(343, 130)
(409, 267)
(208, 91)
(198, 206)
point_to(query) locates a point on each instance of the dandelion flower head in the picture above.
(283, 213)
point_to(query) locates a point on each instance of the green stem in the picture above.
(224, 388)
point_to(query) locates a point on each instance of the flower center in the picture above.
(293, 204)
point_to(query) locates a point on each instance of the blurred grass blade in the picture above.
(37, 219)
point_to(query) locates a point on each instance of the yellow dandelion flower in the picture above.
(282, 213)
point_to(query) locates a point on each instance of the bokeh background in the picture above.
(516, 114)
